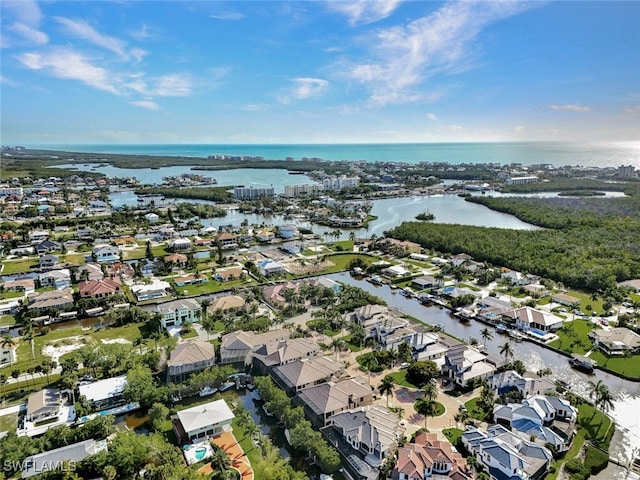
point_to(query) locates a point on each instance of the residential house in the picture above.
(8, 355)
(326, 399)
(202, 422)
(504, 382)
(370, 433)
(56, 299)
(229, 274)
(185, 280)
(463, 363)
(155, 289)
(292, 248)
(58, 279)
(265, 236)
(227, 240)
(57, 458)
(369, 315)
(548, 419)
(300, 374)
(288, 231)
(527, 318)
(286, 351)
(238, 347)
(227, 303)
(428, 458)
(396, 271)
(152, 217)
(505, 455)
(93, 272)
(176, 261)
(270, 267)
(451, 291)
(104, 394)
(328, 283)
(100, 288)
(188, 358)
(26, 285)
(398, 247)
(38, 235)
(616, 341)
(177, 312)
(425, 282)
(180, 245)
(43, 405)
(514, 277)
(105, 253)
(276, 295)
(47, 246)
(564, 299)
(633, 284)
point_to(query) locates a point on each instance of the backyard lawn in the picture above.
(400, 378)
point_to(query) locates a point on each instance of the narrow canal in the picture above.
(534, 356)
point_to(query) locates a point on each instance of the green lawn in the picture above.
(595, 427)
(585, 299)
(128, 332)
(190, 334)
(9, 422)
(7, 320)
(74, 258)
(475, 411)
(400, 378)
(341, 261)
(453, 434)
(327, 331)
(352, 346)
(19, 265)
(572, 338)
(627, 365)
(10, 294)
(211, 286)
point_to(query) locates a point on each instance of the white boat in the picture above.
(325, 477)
(207, 391)
(287, 436)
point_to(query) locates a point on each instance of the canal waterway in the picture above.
(534, 356)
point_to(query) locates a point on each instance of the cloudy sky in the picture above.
(318, 72)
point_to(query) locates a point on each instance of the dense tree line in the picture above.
(594, 257)
(557, 184)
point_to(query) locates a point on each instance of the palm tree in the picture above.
(486, 334)
(386, 387)
(506, 351)
(8, 343)
(425, 407)
(220, 460)
(47, 366)
(430, 391)
(352, 236)
(15, 373)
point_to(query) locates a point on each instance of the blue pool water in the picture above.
(200, 453)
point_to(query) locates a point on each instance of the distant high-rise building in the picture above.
(251, 193)
(626, 171)
(338, 183)
(291, 191)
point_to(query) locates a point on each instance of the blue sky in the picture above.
(318, 72)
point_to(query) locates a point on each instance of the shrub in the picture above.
(595, 460)
(573, 466)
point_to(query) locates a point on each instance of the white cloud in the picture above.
(32, 35)
(26, 17)
(148, 104)
(432, 116)
(228, 16)
(71, 65)
(519, 129)
(303, 88)
(571, 108)
(81, 29)
(364, 11)
(174, 85)
(143, 33)
(455, 128)
(403, 57)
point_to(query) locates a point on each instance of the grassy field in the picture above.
(627, 365)
(212, 286)
(68, 336)
(573, 337)
(9, 422)
(585, 299)
(7, 320)
(22, 265)
(400, 378)
(452, 434)
(474, 410)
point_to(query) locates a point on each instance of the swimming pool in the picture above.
(200, 453)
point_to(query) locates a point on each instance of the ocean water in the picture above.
(527, 153)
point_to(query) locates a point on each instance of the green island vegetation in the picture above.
(213, 194)
(186, 210)
(560, 184)
(581, 193)
(425, 216)
(584, 243)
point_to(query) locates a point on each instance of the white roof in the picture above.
(103, 389)
(201, 416)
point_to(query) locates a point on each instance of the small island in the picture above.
(425, 216)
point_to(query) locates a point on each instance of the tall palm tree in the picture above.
(386, 387)
(220, 460)
(506, 350)
(486, 334)
(430, 391)
(337, 343)
(425, 407)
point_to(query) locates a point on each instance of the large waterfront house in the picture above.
(238, 347)
(203, 421)
(177, 312)
(43, 405)
(188, 358)
(616, 341)
(463, 363)
(105, 254)
(504, 382)
(104, 394)
(300, 374)
(530, 319)
(428, 458)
